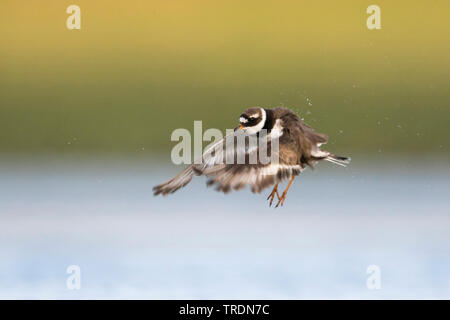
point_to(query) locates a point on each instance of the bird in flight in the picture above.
(295, 145)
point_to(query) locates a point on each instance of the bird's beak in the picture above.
(239, 127)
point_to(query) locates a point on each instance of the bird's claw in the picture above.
(272, 196)
(281, 200)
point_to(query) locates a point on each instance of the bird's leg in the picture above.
(272, 194)
(283, 196)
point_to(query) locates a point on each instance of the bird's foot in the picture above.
(281, 200)
(272, 195)
(283, 196)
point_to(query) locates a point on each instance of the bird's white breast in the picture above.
(277, 130)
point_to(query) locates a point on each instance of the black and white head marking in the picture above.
(253, 120)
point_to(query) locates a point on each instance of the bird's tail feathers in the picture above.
(342, 161)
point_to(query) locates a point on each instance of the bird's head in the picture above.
(252, 120)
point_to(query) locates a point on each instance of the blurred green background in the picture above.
(139, 69)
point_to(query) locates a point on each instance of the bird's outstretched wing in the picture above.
(229, 165)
